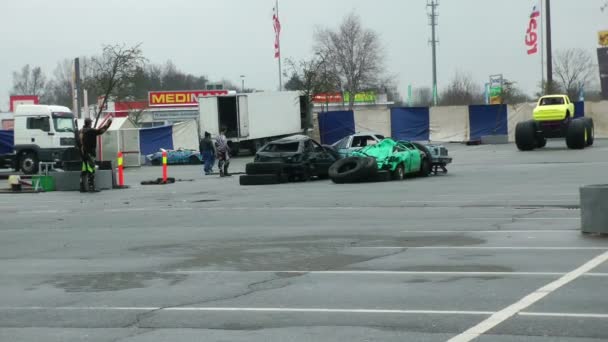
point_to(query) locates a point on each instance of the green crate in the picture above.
(46, 183)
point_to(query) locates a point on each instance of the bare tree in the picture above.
(29, 81)
(310, 78)
(575, 71)
(461, 91)
(423, 97)
(354, 54)
(511, 94)
(113, 71)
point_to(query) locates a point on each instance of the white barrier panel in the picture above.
(598, 111)
(185, 135)
(373, 120)
(449, 123)
(518, 113)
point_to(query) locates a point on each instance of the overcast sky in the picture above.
(233, 37)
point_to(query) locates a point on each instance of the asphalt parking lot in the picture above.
(489, 252)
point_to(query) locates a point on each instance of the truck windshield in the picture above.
(552, 101)
(64, 122)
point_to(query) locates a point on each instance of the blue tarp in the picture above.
(7, 142)
(579, 109)
(487, 120)
(334, 126)
(410, 123)
(151, 140)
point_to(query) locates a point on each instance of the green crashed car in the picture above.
(389, 159)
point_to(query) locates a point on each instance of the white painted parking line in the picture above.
(492, 231)
(251, 309)
(563, 315)
(514, 248)
(511, 310)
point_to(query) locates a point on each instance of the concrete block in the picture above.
(594, 209)
(70, 180)
(495, 139)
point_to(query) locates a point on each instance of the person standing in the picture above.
(88, 144)
(207, 149)
(223, 153)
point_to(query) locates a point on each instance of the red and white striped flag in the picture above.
(532, 39)
(277, 33)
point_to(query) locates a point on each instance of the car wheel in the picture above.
(352, 170)
(525, 135)
(425, 168)
(577, 135)
(28, 163)
(399, 173)
(247, 180)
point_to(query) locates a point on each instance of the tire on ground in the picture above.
(352, 170)
(381, 176)
(525, 135)
(575, 135)
(264, 168)
(260, 179)
(590, 131)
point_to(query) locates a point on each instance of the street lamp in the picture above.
(242, 83)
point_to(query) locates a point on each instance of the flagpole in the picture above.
(542, 47)
(279, 40)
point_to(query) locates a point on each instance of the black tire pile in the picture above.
(264, 174)
(357, 170)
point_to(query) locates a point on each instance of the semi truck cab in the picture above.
(42, 134)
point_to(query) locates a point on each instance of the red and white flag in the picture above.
(277, 33)
(532, 35)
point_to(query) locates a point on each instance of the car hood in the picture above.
(380, 151)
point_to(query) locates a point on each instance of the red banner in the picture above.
(531, 33)
(187, 98)
(328, 98)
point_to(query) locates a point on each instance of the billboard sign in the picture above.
(186, 98)
(17, 100)
(362, 97)
(602, 37)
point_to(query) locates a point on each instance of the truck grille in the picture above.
(67, 141)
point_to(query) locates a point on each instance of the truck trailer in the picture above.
(252, 120)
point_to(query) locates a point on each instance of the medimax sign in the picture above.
(187, 98)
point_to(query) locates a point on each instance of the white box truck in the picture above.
(253, 119)
(41, 134)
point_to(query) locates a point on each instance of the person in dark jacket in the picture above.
(88, 144)
(207, 149)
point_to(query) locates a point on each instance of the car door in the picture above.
(321, 159)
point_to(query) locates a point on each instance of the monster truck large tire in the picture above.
(576, 135)
(590, 131)
(525, 136)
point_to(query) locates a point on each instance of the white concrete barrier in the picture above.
(449, 123)
(373, 120)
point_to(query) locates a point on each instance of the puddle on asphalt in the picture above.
(105, 282)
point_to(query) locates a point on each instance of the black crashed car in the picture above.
(295, 158)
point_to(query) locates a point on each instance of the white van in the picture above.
(42, 134)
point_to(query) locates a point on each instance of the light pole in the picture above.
(242, 83)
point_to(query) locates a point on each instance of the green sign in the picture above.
(363, 97)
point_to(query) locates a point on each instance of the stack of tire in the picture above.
(357, 170)
(580, 133)
(263, 174)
